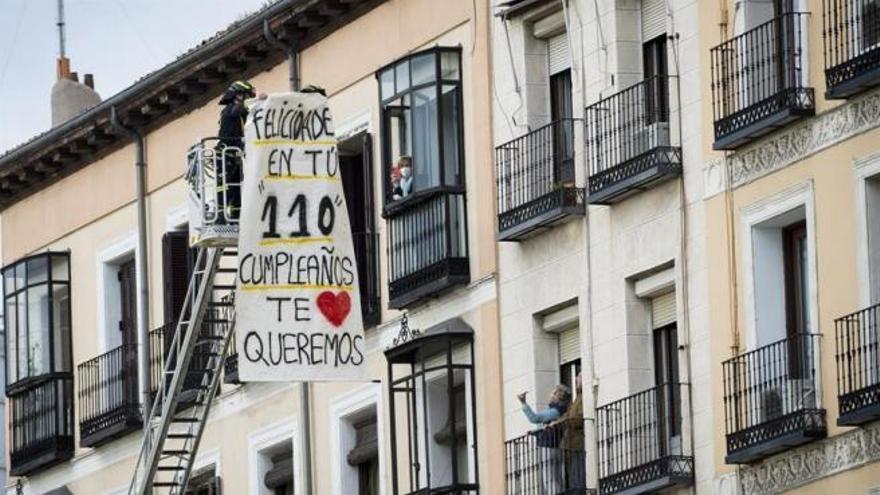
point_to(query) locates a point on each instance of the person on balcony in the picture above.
(547, 438)
(571, 444)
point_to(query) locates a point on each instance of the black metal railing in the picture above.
(851, 29)
(230, 366)
(366, 252)
(41, 423)
(546, 462)
(858, 366)
(759, 80)
(630, 142)
(108, 405)
(771, 398)
(427, 248)
(640, 441)
(536, 179)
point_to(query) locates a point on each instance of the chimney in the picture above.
(69, 96)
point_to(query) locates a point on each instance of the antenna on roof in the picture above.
(60, 25)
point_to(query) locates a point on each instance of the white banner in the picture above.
(298, 311)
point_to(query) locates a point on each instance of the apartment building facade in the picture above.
(602, 266)
(790, 176)
(404, 78)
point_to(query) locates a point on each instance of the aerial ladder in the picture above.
(195, 353)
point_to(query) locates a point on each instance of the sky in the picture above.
(118, 41)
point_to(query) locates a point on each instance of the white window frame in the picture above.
(864, 169)
(345, 477)
(801, 195)
(263, 439)
(107, 263)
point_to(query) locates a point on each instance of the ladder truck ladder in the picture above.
(193, 362)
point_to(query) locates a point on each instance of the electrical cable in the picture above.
(21, 11)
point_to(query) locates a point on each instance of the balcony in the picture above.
(109, 406)
(538, 463)
(851, 29)
(858, 366)
(630, 142)
(427, 239)
(535, 175)
(770, 399)
(230, 366)
(41, 423)
(758, 81)
(641, 448)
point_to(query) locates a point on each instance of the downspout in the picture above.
(305, 409)
(142, 277)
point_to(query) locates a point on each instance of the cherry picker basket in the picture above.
(213, 179)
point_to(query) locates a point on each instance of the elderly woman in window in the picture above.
(401, 178)
(547, 438)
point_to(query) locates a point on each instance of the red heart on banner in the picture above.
(334, 307)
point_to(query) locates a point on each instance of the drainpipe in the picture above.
(305, 408)
(143, 279)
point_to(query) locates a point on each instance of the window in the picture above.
(204, 482)
(654, 66)
(431, 388)
(279, 477)
(870, 25)
(422, 123)
(364, 456)
(872, 225)
(37, 317)
(177, 265)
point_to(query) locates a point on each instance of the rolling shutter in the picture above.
(653, 19)
(569, 345)
(557, 53)
(663, 310)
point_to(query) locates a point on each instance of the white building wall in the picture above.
(597, 258)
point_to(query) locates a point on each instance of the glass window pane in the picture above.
(9, 280)
(426, 152)
(399, 144)
(451, 135)
(61, 326)
(402, 75)
(449, 66)
(11, 340)
(60, 269)
(38, 330)
(21, 318)
(423, 69)
(37, 270)
(386, 81)
(19, 276)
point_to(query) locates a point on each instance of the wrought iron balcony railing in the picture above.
(851, 29)
(759, 80)
(545, 462)
(536, 180)
(427, 241)
(230, 366)
(41, 423)
(109, 405)
(858, 366)
(641, 449)
(630, 142)
(771, 398)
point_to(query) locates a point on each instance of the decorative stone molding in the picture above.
(795, 143)
(803, 465)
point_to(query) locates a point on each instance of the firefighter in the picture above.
(231, 144)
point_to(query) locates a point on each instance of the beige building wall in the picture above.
(93, 210)
(821, 155)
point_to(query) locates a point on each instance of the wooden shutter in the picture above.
(569, 345)
(366, 443)
(663, 310)
(653, 19)
(176, 269)
(557, 52)
(127, 302)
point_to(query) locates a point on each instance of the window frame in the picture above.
(390, 206)
(55, 366)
